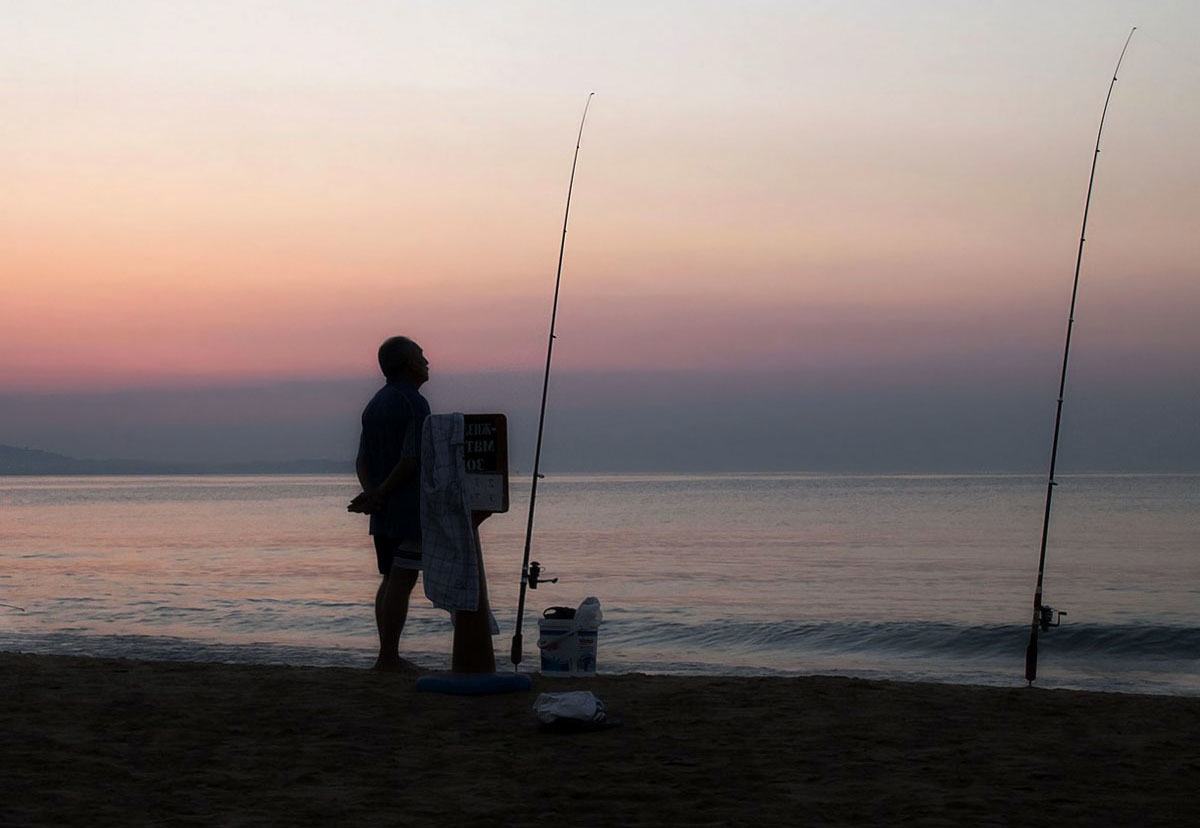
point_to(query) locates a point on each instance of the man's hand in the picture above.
(365, 503)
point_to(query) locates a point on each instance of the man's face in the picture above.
(420, 366)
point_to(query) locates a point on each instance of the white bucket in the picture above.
(566, 649)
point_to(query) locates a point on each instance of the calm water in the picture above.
(923, 577)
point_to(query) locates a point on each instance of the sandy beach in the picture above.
(114, 742)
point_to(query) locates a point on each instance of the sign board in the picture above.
(485, 453)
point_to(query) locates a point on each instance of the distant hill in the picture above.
(23, 461)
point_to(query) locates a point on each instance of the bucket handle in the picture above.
(557, 641)
(545, 643)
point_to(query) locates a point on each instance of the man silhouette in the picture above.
(388, 462)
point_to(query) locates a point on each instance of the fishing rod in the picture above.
(531, 573)
(1044, 617)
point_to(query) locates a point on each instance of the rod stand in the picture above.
(473, 651)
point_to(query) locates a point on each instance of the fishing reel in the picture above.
(534, 577)
(1049, 617)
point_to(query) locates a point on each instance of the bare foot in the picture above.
(396, 665)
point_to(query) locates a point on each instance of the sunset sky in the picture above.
(853, 208)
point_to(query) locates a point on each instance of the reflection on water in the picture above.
(713, 573)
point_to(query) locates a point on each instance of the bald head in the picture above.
(401, 358)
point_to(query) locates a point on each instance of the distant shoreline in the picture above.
(23, 462)
(298, 468)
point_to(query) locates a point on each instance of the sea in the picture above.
(906, 577)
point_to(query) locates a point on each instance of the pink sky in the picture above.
(195, 196)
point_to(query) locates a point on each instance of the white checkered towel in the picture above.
(449, 554)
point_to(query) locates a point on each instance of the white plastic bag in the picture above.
(581, 705)
(589, 616)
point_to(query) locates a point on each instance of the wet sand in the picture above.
(114, 742)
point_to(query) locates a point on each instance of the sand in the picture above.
(115, 742)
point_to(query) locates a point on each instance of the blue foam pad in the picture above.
(474, 684)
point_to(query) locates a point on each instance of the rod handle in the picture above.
(1031, 655)
(516, 654)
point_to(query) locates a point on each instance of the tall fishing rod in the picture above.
(530, 575)
(1043, 616)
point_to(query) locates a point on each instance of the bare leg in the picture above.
(391, 611)
(379, 607)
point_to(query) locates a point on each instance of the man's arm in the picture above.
(362, 502)
(371, 500)
(360, 468)
(401, 473)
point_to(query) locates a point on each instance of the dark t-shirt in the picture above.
(391, 432)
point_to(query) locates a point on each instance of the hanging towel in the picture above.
(449, 554)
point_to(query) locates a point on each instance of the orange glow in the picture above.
(176, 213)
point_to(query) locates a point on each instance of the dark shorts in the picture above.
(388, 554)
